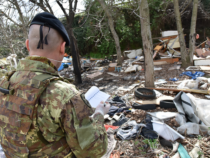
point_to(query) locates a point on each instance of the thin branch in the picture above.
(48, 5)
(41, 5)
(9, 18)
(62, 8)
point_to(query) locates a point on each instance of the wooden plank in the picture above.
(168, 60)
(183, 90)
(158, 47)
(160, 63)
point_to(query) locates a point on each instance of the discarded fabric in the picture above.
(130, 131)
(121, 121)
(148, 131)
(189, 128)
(115, 109)
(111, 143)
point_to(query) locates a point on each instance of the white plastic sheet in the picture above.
(201, 108)
(190, 128)
(166, 132)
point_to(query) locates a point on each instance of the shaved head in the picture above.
(55, 48)
(54, 39)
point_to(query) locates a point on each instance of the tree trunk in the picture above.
(185, 57)
(147, 42)
(74, 52)
(192, 30)
(114, 34)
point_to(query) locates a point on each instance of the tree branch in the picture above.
(62, 8)
(48, 5)
(9, 18)
(41, 5)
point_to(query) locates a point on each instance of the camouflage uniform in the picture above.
(44, 116)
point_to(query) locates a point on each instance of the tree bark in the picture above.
(74, 51)
(114, 34)
(185, 57)
(193, 29)
(147, 42)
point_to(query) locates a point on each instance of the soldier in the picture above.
(42, 114)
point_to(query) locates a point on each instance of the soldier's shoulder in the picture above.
(62, 89)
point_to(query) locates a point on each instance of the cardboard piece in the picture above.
(168, 60)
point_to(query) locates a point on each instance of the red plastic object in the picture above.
(110, 126)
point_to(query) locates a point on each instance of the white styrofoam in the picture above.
(169, 33)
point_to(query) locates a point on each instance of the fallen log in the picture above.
(183, 90)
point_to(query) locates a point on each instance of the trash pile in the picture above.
(170, 120)
(154, 125)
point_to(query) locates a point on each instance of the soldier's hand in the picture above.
(103, 108)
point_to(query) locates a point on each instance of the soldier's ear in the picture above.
(27, 45)
(62, 48)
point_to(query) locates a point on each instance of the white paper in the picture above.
(95, 96)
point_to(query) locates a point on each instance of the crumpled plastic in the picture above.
(190, 128)
(130, 131)
(193, 76)
(110, 126)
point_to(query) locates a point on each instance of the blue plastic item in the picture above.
(182, 152)
(62, 64)
(173, 79)
(118, 69)
(193, 76)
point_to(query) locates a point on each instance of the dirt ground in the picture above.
(137, 147)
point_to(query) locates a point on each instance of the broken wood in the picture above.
(183, 90)
(201, 44)
(157, 49)
(168, 60)
(160, 63)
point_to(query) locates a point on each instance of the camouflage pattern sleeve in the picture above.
(85, 135)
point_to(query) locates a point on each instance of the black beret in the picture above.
(47, 19)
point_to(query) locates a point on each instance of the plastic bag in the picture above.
(201, 108)
(183, 84)
(190, 128)
(181, 120)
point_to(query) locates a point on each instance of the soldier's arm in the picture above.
(85, 135)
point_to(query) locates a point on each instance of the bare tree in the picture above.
(16, 16)
(69, 14)
(114, 34)
(192, 30)
(147, 42)
(185, 56)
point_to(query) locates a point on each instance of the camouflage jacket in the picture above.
(62, 112)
